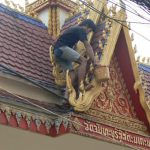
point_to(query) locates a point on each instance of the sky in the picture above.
(143, 45)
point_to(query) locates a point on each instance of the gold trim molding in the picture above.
(137, 85)
(40, 4)
(116, 120)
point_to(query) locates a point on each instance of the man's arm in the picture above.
(89, 50)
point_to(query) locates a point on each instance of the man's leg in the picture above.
(71, 55)
(74, 77)
(81, 69)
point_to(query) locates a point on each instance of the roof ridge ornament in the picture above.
(143, 60)
(80, 8)
(12, 5)
(26, 2)
(123, 5)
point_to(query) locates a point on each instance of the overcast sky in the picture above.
(143, 45)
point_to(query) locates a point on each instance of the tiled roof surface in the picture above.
(24, 45)
(145, 71)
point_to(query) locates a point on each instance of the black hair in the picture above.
(89, 23)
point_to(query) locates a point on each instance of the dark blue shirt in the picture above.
(71, 36)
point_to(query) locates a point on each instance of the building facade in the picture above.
(115, 114)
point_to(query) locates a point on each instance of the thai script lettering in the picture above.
(117, 134)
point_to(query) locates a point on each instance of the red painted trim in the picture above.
(122, 54)
(3, 119)
(53, 131)
(23, 124)
(62, 129)
(13, 121)
(33, 126)
(42, 129)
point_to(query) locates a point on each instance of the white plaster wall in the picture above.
(63, 15)
(17, 139)
(44, 16)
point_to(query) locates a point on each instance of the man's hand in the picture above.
(95, 64)
(89, 51)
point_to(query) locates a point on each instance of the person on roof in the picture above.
(65, 54)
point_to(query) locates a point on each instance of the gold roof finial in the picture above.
(114, 9)
(26, 2)
(21, 9)
(143, 59)
(148, 60)
(145, 86)
(14, 5)
(90, 2)
(138, 59)
(129, 25)
(7, 2)
(132, 37)
(135, 48)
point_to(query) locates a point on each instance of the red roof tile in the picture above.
(24, 47)
(145, 72)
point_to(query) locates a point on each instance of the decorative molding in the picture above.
(37, 5)
(111, 119)
(111, 134)
(111, 41)
(113, 106)
(50, 21)
(33, 121)
(136, 74)
(57, 22)
(41, 4)
(54, 21)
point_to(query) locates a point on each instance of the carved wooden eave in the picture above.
(138, 82)
(112, 40)
(32, 119)
(41, 4)
(85, 99)
(109, 51)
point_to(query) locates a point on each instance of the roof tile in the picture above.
(24, 45)
(145, 70)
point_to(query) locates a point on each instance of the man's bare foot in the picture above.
(88, 87)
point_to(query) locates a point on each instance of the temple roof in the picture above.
(24, 45)
(145, 72)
